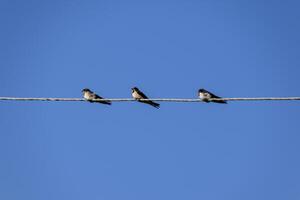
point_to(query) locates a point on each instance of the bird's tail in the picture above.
(103, 102)
(151, 103)
(221, 101)
(106, 102)
(156, 105)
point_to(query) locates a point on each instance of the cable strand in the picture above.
(156, 99)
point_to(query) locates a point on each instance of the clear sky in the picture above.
(131, 151)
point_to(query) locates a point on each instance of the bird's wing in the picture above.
(143, 95)
(214, 96)
(96, 96)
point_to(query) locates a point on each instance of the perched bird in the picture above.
(90, 96)
(138, 95)
(206, 96)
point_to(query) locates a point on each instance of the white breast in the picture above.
(136, 95)
(87, 96)
(204, 95)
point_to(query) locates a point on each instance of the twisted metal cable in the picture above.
(156, 99)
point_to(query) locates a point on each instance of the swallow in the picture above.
(138, 95)
(206, 96)
(90, 96)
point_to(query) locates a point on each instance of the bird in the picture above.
(138, 95)
(91, 96)
(206, 96)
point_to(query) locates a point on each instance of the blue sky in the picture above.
(78, 150)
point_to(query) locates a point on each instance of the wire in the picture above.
(158, 99)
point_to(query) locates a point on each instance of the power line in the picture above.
(157, 99)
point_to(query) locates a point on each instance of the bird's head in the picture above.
(85, 90)
(201, 90)
(134, 89)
